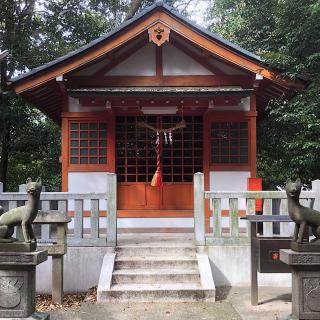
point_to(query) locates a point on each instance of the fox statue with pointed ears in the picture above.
(302, 216)
(23, 215)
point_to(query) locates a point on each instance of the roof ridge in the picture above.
(123, 25)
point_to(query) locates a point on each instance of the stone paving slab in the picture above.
(274, 302)
(151, 311)
(234, 304)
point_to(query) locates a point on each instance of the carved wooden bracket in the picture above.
(159, 34)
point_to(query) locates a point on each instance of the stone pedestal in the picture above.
(18, 283)
(305, 268)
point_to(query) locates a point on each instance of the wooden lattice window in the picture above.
(229, 143)
(135, 149)
(88, 142)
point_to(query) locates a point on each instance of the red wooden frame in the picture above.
(208, 117)
(212, 116)
(67, 118)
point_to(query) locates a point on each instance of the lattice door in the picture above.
(136, 157)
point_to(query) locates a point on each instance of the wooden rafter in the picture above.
(122, 57)
(175, 25)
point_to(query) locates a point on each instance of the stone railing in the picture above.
(226, 208)
(86, 227)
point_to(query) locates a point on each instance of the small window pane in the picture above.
(84, 152)
(103, 152)
(74, 160)
(243, 159)
(93, 126)
(83, 160)
(74, 134)
(93, 160)
(243, 134)
(83, 134)
(93, 134)
(93, 152)
(74, 143)
(93, 143)
(74, 152)
(103, 160)
(83, 143)
(74, 126)
(83, 126)
(103, 134)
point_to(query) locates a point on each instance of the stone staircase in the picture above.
(153, 273)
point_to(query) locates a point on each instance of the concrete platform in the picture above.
(233, 304)
(152, 311)
(274, 302)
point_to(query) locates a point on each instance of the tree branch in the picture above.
(134, 6)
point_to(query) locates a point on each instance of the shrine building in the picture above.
(158, 91)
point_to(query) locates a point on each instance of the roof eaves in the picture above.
(86, 47)
(123, 26)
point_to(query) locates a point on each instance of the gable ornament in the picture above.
(159, 34)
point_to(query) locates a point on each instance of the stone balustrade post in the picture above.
(316, 189)
(111, 209)
(199, 212)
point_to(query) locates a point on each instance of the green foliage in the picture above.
(286, 34)
(36, 32)
(34, 147)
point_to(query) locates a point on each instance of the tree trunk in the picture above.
(4, 155)
(4, 125)
(134, 6)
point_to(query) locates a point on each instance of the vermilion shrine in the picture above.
(156, 93)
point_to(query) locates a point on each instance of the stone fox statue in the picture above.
(302, 216)
(23, 215)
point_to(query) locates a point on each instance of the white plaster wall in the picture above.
(226, 68)
(92, 69)
(177, 63)
(244, 105)
(74, 106)
(87, 182)
(141, 63)
(140, 222)
(229, 181)
(230, 266)
(83, 182)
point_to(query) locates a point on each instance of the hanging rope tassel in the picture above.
(157, 178)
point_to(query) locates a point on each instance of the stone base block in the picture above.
(305, 267)
(17, 246)
(305, 247)
(34, 316)
(17, 283)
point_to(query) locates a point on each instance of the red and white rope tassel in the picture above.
(157, 178)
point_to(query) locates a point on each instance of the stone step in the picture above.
(182, 292)
(161, 262)
(153, 276)
(156, 251)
